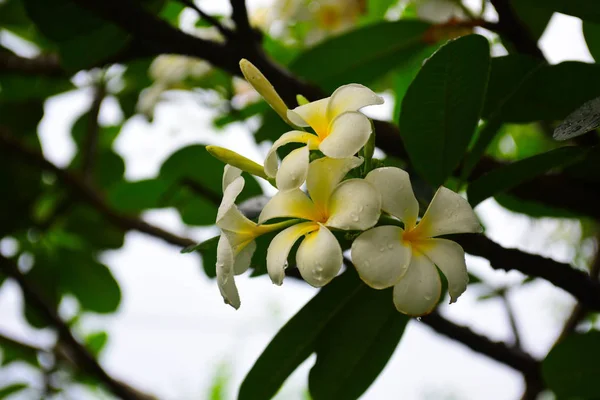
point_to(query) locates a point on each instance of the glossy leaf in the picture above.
(571, 368)
(581, 121)
(511, 175)
(356, 345)
(361, 55)
(441, 108)
(297, 339)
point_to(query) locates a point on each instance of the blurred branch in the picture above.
(202, 191)
(208, 18)
(501, 352)
(90, 147)
(510, 314)
(88, 194)
(510, 26)
(46, 64)
(83, 358)
(562, 275)
(580, 310)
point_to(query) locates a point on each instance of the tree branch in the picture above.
(510, 314)
(574, 281)
(501, 352)
(83, 358)
(90, 147)
(227, 33)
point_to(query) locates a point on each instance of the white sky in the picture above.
(173, 330)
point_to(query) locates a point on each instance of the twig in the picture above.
(80, 353)
(90, 146)
(240, 17)
(227, 33)
(510, 314)
(45, 65)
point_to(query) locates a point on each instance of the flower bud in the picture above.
(237, 160)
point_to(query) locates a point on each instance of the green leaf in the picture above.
(533, 17)
(532, 208)
(550, 93)
(16, 87)
(134, 197)
(297, 339)
(272, 127)
(441, 108)
(356, 345)
(361, 55)
(95, 342)
(14, 351)
(584, 9)
(92, 226)
(505, 178)
(571, 368)
(591, 32)
(581, 121)
(14, 388)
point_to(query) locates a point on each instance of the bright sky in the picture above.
(173, 331)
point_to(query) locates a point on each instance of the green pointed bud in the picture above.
(368, 151)
(301, 100)
(238, 161)
(262, 85)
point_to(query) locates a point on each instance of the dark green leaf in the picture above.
(511, 175)
(361, 55)
(550, 93)
(533, 17)
(272, 127)
(16, 87)
(591, 32)
(571, 368)
(134, 197)
(16, 351)
(532, 208)
(98, 233)
(297, 339)
(14, 388)
(356, 345)
(584, 9)
(441, 108)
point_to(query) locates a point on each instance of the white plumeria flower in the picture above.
(353, 204)
(236, 244)
(406, 258)
(341, 131)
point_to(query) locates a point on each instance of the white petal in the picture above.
(225, 277)
(293, 203)
(324, 175)
(351, 97)
(271, 164)
(280, 247)
(380, 256)
(293, 170)
(348, 133)
(450, 259)
(319, 257)
(448, 213)
(228, 215)
(313, 114)
(419, 289)
(244, 258)
(230, 174)
(354, 205)
(397, 197)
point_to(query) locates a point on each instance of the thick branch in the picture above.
(80, 353)
(46, 65)
(574, 281)
(208, 18)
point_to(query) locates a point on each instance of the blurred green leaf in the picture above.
(356, 345)
(95, 342)
(591, 32)
(361, 55)
(16, 87)
(92, 226)
(584, 9)
(14, 388)
(272, 127)
(571, 368)
(134, 197)
(511, 175)
(14, 351)
(532, 208)
(533, 17)
(441, 108)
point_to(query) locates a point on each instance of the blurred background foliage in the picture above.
(56, 222)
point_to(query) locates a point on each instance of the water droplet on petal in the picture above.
(427, 297)
(419, 319)
(390, 245)
(382, 249)
(367, 263)
(361, 208)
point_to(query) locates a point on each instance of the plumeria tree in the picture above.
(378, 214)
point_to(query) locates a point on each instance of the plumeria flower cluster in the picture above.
(391, 246)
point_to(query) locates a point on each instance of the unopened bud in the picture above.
(237, 160)
(301, 100)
